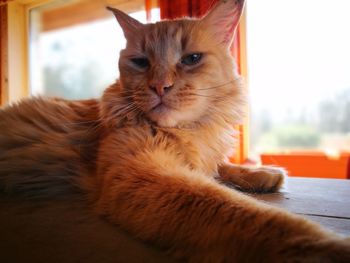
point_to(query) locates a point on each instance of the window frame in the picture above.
(14, 50)
(14, 47)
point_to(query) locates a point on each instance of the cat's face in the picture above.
(176, 72)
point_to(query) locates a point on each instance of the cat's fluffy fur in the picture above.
(149, 153)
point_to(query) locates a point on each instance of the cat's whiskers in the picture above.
(97, 123)
(209, 96)
(219, 86)
(127, 111)
(129, 108)
(222, 114)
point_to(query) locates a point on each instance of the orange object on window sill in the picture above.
(311, 164)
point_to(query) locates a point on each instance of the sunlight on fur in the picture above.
(151, 154)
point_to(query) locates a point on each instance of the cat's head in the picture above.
(178, 72)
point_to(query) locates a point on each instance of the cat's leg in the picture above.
(156, 199)
(255, 179)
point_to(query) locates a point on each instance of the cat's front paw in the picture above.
(253, 179)
(266, 179)
(262, 179)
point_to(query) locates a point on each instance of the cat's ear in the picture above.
(223, 19)
(131, 27)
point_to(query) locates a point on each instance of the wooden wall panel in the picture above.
(84, 11)
(18, 86)
(3, 55)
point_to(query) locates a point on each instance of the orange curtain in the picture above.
(170, 9)
(180, 8)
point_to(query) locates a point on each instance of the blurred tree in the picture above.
(71, 82)
(296, 136)
(334, 113)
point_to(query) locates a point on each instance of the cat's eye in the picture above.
(141, 62)
(191, 59)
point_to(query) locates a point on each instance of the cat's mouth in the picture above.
(160, 108)
(163, 114)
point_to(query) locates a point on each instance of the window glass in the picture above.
(299, 75)
(74, 53)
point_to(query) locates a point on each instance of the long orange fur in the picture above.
(151, 153)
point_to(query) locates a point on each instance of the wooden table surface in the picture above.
(67, 230)
(326, 201)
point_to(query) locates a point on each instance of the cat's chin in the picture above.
(167, 116)
(163, 116)
(167, 123)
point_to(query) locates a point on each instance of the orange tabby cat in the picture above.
(151, 153)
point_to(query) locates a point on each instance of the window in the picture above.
(298, 61)
(76, 57)
(299, 81)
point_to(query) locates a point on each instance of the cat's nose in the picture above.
(161, 88)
